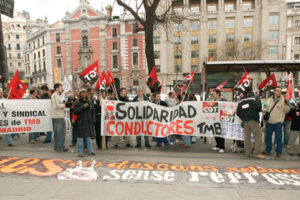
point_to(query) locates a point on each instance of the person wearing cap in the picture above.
(280, 108)
(86, 118)
(248, 110)
(57, 114)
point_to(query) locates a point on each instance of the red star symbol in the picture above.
(207, 117)
(232, 106)
(214, 117)
(224, 106)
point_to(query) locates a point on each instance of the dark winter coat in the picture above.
(161, 103)
(86, 118)
(249, 108)
(295, 114)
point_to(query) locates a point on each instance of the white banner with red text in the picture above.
(195, 118)
(25, 116)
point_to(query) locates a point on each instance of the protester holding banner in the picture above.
(46, 94)
(70, 104)
(158, 101)
(171, 102)
(123, 98)
(277, 107)
(32, 136)
(295, 131)
(220, 146)
(86, 117)
(139, 98)
(248, 110)
(101, 96)
(57, 114)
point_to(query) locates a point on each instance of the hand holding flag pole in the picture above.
(189, 78)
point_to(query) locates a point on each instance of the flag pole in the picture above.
(186, 91)
(9, 93)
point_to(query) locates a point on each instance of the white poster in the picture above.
(25, 116)
(195, 118)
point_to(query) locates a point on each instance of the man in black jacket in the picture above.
(45, 95)
(70, 104)
(122, 97)
(248, 111)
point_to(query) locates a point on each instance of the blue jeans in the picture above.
(139, 140)
(74, 136)
(270, 128)
(48, 136)
(8, 139)
(159, 140)
(172, 138)
(80, 145)
(59, 129)
(186, 140)
(287, 129)
(32, 137)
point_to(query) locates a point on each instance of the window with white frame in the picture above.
(212, 24)
(273, 35)
(229, 23)
(135, 58)
(273, 19)
(273, 50)
(297, 40)
(229, 7)
(248, 22)
(195, 26)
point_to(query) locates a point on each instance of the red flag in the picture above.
(90, 75)
(102, 80)
(244, 84)
(16, 87)
(268, 82)
(110, 79)
(190, 77)
(220, 87)
(152, 77)
(289, 91)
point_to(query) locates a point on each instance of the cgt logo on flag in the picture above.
(227, 116)
(210, 107)
(90, 75)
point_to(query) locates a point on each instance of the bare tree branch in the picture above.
(127, 7)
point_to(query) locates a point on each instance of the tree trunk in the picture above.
(149, 46)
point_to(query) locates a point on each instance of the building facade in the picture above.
(84, 36)
(14, 39)
(220, 30)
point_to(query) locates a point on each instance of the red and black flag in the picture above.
(90, 75)
(220, 87)
(190, 77)
(152, 82)
(102, 80)
(110, 79)
(269, 82)
(17, 89)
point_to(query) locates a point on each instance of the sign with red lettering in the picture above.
(19, 116)
(209, 119)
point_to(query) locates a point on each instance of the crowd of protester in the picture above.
(281, 117)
